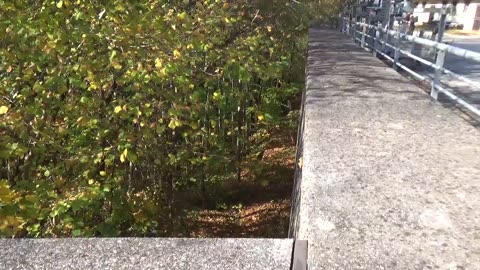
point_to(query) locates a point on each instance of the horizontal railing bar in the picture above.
(423, 61)
(419, 59)
(385, 55)
(430, 43)
(389, 45)
(430, 64)
(462, 78)
(422, 78)
(459, 100)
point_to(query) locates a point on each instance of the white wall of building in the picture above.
(463, 14)
(468, 17)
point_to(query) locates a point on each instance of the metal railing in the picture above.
(381, 41)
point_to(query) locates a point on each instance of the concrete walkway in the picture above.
(389, 179)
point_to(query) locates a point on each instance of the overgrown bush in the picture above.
(109, 108)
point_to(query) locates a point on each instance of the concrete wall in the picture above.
(146, 253)
(388, 177)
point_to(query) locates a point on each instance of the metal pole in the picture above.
(350, 21)
(363, 35)
(391, 20)
(438, 73)
(354, 20)
(466, 54)
(442, 23)
(340, 22)
(396, 56)
(377, 39)
(391, 15)
(417, 48)
(367, 31)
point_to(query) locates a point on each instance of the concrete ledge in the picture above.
(389, 178)
(146, 253)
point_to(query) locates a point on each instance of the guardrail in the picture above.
(381, 39)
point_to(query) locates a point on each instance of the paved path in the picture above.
(390, 179)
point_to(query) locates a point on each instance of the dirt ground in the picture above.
(257, 206)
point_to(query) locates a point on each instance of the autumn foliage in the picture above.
(108, 109)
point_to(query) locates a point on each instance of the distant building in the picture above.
(461, 14)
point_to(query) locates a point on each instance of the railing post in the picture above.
(368, 30)
(352, 25)
(396, 55)
(363, 35)
(357, 26)
(342, 23)
(375, 41)
(438, 73)
(442, 23)
(389, 26)
(417, 47)
(384, 39)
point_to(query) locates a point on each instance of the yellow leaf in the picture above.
(190, 46)
(261, 117)
(103, 173)
(172, 124)
(158, 63)
(60, 4)
(182, 15)
(6, 194)
(124, 154)
(91, 181)
(11, 224)
(163, 72)
(3, 109)
(269, 28)
(118, 109)
(177, 54)
(116, 65)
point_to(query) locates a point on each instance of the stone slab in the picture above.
(390, 178)
(145, 253)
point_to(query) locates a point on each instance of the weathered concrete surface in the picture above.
(146, 253)
(390, 179)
